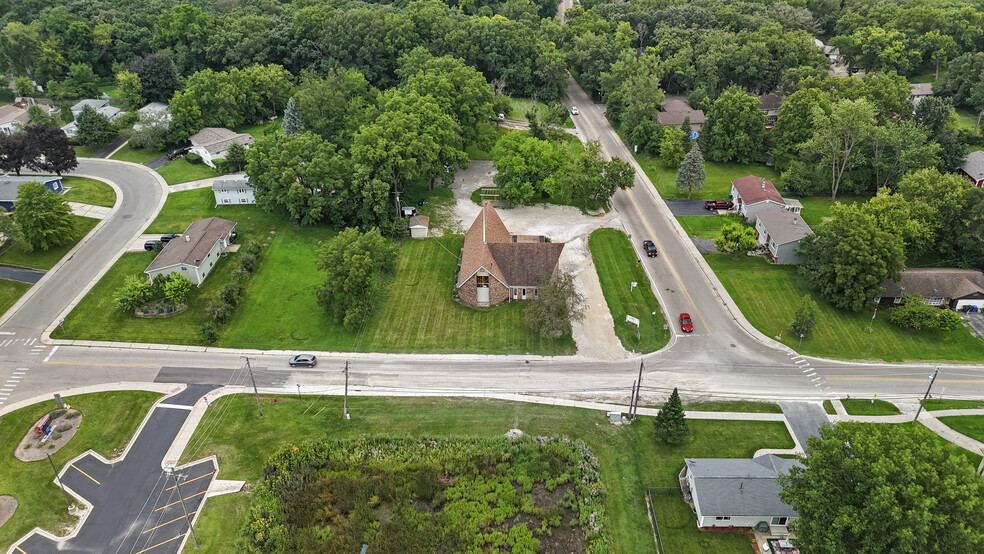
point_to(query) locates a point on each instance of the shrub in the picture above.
(192, 158)
(63, 428)
(209, 332)
(57, 413)
(231, 293)
(247, 261)
(914, 313)
(72, 415)
(219, 311)
(251, 247)
(134, 292)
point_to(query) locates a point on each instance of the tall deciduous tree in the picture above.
(898, 147)
(671, 152)
(354, 264)
(936, 114)
(671, 423)
(795, 124)
(44, 218)
(48, 150)
(292, 121)
(130, 89)
(527, 167)
(735, 239)
(868, 487)
(158, 76)
(912, 221)
(839, 136)
(13, 152)
(691, 175)
(557, 304)
(12, 233)
(735, 127)
(849, 257)
(940, 201)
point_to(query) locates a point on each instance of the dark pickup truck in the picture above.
(718, 204)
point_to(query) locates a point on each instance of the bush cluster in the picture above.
(220, 309)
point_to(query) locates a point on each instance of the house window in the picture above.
(225, 200)
(934, 300)
(723, 518)
(183, 268)
(779, 521)
(897, 300)
(242, 191)
(242, 200)
(482, 281)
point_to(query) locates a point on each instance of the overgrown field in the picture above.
(430, 495)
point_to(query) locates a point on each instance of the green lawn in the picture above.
(966, 120)
(88, 151)
(89, 191)
(259, 131)
(815, 209)
(865, 407)
(517, 112)
(972, 426)
(719, 176)
(829, 407)
(135, 155)
(617, 267)
(180, 171)
(927, 76)
(708, 226)
(768, 296)
(183, 208)
(629, 458)
(46, 259)
(108, 421)
(744, 406)
(933, 404)
(10, 293)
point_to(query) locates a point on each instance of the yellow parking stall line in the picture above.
(191, 480)
(166, 523)
(20, 550)
(86, 474)
(176, 501)
(163, 542)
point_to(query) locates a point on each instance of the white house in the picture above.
(100, 106)
(195, 252)
(154, 113)
(419, 225)
(753, 195)
(212, 143)
(918, 91)
(728, 492)
(781, 232)
(12, 118)
(233, 189)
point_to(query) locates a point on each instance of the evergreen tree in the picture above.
(691, 175)
(292, 121)
(235, 159)
(670, 423)
(93, 128)
(685, 127)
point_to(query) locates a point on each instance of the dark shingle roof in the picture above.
(770, 102)
(974, 165)
(740, 487)
(784, 226)
(193, 245)
(948, 282)
(521, 263)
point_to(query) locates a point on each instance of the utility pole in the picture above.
(632, 397)
(62, 485)
(931, 379)
(256, 393)
(298, 391)
(635, 408)
(183, 509)
(345, 413)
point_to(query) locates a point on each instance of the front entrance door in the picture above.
(482, 289)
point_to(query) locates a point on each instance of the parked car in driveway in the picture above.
(686, 325)
(179, 151)
(718, 204)
(166, 238)
(308, 360)
(650, 248)
(150, 245)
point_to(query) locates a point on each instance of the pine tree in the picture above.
(685, 127)
(671, 426)
(292, 121)
(691, 175)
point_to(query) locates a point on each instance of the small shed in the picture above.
(419, 224)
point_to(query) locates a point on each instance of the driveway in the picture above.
(976, 321)
(805, 419)
(688, 207)
(22, 274)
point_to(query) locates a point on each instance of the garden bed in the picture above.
(395, 494)
(64, 425)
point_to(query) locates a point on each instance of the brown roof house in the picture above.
(973, 167)
(497, 266)
(753, 195)
(418, 224)
(945, 287)
(212, 143)
(195, 252)
(673, 112)
(769, 104)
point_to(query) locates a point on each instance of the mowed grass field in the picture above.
(109, 420)
(768, 296)
(719, 176)
(865, 407)
(46, 259)
(630, 459)
(10, 292)
(972, 426)
(180, 171)
(135, 155)
(89, 191)
(615, 261)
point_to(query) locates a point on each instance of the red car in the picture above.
(686, 325)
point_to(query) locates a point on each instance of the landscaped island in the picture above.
(519, 494)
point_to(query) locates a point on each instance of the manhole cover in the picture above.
(732, 345)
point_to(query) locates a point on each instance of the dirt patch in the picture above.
(7, 506)
(64, 425)
(543, 498)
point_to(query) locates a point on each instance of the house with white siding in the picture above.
(781, 231)
(233, 189)
(753, 195)
(195, 253)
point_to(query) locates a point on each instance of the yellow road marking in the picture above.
(87, 475)
(176, 501)
(191, 480)
(900, 380)
(19, 550)
(166, 523)
(163, 542)
(319, 411)
(659, 245)
(96, 364)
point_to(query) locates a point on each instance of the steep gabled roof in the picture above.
(754, 189)
(194, 244)
(522, 263)
(11, 112)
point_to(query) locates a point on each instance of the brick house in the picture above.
(497, 266)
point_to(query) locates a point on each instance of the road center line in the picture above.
(191, 480)
(177, 501)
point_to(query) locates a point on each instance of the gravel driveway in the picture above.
(561, 224)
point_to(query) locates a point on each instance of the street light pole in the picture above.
(931, 379)
(62, 485)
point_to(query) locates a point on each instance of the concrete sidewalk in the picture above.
(88, 210)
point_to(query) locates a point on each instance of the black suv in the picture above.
(150, 245)
(650, 248)
(168, 237)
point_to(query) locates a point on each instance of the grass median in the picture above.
(180, 171)
(136, 155)
(630, 458)
(769, 294)
(89, 191)
(617, 266)
(109, 420)
(865, 407)
(46, 259)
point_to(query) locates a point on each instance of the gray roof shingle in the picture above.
(231, 182)
(193, 245)
(218, 139)
(784, 226)
(948, 282)
(974, 165)
(10, 183)
(740, 487)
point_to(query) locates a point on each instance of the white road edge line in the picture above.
(50, 354)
